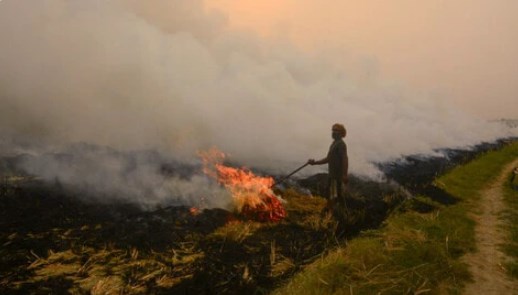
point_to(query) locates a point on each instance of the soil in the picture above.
(489, 275)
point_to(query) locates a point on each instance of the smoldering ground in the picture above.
(172, 77)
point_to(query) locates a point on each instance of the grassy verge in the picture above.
(510, 216)
(413, 252)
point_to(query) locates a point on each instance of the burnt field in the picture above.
(53, 241)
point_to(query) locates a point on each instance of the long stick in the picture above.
(288, 176)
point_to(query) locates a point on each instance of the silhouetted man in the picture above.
(338, 164)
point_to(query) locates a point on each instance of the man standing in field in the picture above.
(338, 164)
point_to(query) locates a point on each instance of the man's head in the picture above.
(338, 131)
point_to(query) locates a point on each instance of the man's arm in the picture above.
(319, 162)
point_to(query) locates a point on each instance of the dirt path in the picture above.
(486, 264)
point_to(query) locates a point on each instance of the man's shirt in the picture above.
(335, 156)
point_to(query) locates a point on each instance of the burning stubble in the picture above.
(252, 195)
(171, 77)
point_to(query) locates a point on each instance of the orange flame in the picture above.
(252, 194)
(194, 211)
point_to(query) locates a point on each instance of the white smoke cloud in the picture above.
(103, 174)
(170, 76)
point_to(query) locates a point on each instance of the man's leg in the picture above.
(340, 188)
(332, 193)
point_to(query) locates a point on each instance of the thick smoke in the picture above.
(172, 77)
(146, 177)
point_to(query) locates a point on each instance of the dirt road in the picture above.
(486, 264)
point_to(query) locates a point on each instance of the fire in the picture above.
(194, 211)
(252, 194)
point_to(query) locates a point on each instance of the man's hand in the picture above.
(311, 162)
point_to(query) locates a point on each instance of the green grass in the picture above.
(412, 252)
(510, 216)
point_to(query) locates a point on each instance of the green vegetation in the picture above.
(510, 216)
(413, 252)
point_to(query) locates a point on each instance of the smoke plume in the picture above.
(172, 77)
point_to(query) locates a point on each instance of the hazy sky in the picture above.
(463, 50)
